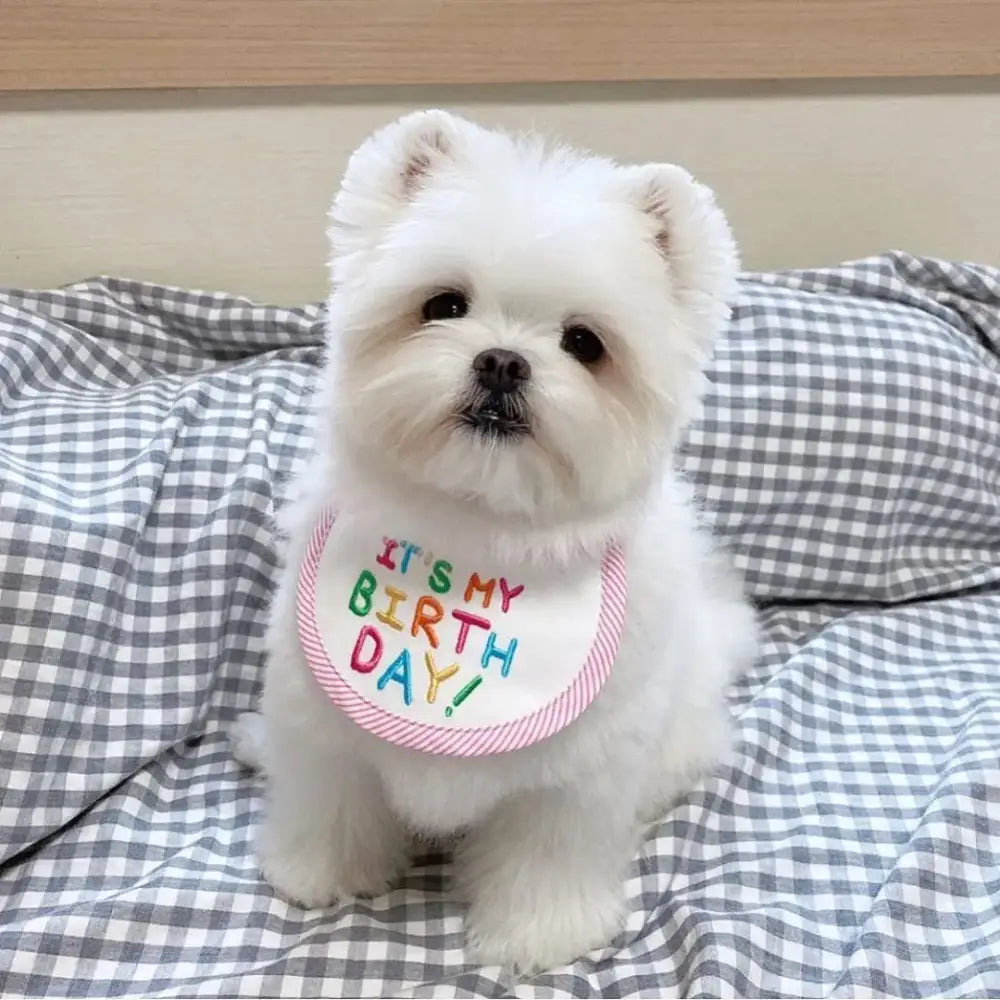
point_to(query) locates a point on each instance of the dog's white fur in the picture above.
(538, 238)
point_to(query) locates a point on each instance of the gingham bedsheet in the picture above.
(849, 453)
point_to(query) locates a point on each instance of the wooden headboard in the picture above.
(199, 142)
(84, 44)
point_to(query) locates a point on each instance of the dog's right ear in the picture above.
(691, 233)
(387, 171)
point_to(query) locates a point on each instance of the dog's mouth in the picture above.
(496, 417)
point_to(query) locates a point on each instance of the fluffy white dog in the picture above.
(515, 339)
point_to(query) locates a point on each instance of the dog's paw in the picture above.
(314, 873)
(314, 883)
(541, 936)
(545, 880)
(298, 879)
(248, 739)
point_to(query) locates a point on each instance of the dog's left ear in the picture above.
(688, 229)
(386, 173)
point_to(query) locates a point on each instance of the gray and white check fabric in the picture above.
(848, 453)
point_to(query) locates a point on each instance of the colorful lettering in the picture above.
(366, 666)
(427, 614)
(437, 676)
(389, 615)
(361, 597)
(399, 672)
(369, 651)
(507, 594)
(493, 652)
(409, 549)
(385, 559)
(465, 619)
(476, 585)
(462, 695)
(439, 581)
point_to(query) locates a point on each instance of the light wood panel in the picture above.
(230, 189)
(108, 44)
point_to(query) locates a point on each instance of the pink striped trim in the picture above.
(549, 719)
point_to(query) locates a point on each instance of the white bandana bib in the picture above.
(434, 652)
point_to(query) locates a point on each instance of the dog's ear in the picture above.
(387, 171)
(688, 229)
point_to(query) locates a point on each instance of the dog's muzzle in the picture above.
(496, 407)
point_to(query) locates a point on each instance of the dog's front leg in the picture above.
(544, 877)
(328, 832)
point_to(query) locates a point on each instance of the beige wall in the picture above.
(228, 189)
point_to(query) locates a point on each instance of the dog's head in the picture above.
(515, 325)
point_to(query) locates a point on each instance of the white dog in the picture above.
(515, 340)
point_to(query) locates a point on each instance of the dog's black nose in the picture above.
(501, 371)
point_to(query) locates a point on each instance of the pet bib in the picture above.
(433, 651)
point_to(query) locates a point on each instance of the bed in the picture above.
(848, 454)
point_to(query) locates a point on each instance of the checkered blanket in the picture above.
(849, 453)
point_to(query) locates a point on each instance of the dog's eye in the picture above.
(583, 344)
(444, 306)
